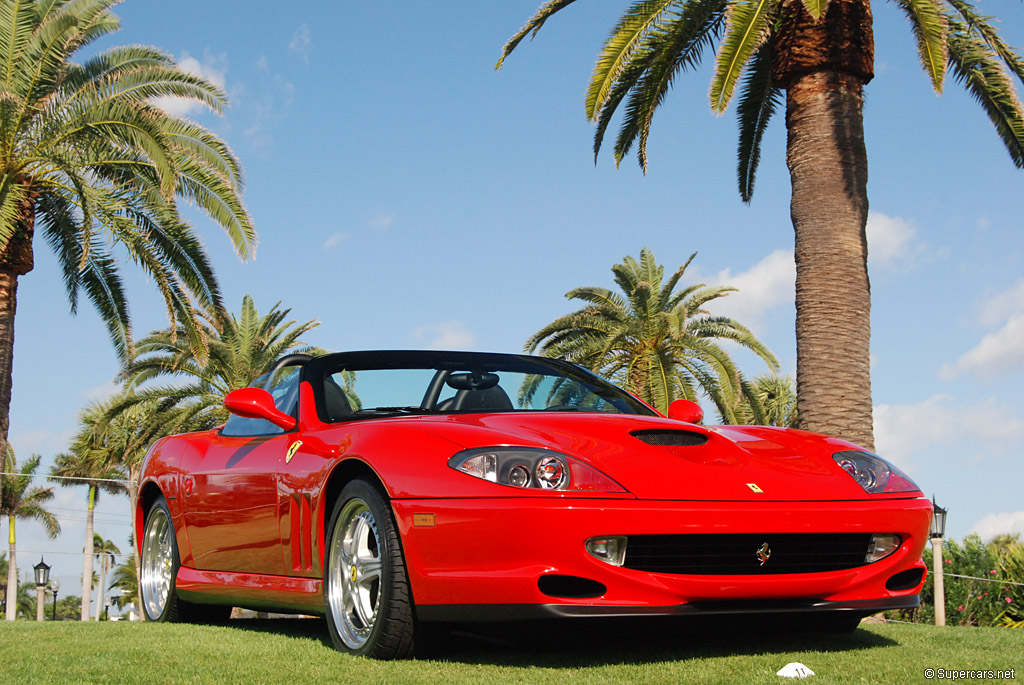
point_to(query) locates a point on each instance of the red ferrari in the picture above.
(389, 491)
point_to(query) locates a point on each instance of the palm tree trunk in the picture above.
(133, 498)
(16, 259)
(828, 167)
(824, 65)
(87, 561)
(101, 590)
(12, 573)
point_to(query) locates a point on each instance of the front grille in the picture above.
(737, 554)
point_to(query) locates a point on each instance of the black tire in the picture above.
(159, 563)
(366, 590)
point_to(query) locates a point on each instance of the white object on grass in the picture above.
(795, 669)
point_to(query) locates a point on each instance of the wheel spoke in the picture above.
(369, 570)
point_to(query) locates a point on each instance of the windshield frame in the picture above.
(317, 369)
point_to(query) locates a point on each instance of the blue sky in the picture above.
(407, 195)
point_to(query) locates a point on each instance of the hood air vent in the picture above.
(671, 438)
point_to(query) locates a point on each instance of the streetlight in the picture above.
(938, 532)
(55, 586)
(42, 570)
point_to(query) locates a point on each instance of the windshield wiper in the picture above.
(395, 410)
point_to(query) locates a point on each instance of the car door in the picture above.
(231, 493)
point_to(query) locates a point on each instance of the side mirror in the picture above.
(257, 403)
(685, 410)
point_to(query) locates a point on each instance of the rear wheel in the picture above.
(366, 590)
(158, 572)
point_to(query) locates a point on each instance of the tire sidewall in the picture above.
(169, 612)
(386, 533)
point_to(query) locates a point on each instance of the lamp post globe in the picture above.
(42, 570)
(55, 586)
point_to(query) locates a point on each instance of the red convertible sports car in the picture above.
(392, 490)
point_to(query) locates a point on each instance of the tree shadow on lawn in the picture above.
(573, 643)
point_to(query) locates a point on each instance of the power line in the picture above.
(986, 580)
(76, 478)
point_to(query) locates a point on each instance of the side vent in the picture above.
(670, 438)
(301, 540)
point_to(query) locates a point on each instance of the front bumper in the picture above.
(484, 558)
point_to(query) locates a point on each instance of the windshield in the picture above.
(376, 384)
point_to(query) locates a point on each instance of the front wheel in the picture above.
(159, 564)
(366, 590)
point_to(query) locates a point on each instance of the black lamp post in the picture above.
(42, 570)
(938, 532)
(55, 586)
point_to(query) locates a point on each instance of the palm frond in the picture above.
(929, 24)
(534, 25)
(746, 28)
(976, 66)
(627, 37)
(758, 102)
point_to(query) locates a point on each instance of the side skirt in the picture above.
(251, 590)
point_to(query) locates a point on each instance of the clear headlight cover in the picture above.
(873, 473)
(533, 469)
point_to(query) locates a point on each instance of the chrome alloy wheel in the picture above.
(157, 563)
(355, 572)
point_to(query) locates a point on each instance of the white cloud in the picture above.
(300, 43)
(889, 239)
(768, 284)
(212, 68)
(27, 443)
(1003, 305)
(1001, 351)
(996, 354)
(904, 431)
(382, 221)
(998, 524)
(336, 239)
(103, 392)
(447, 335)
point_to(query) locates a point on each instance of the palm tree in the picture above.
(241, 349)
(821, 54)
(775, 400)
(126, 580)
(121, 439)
(90, 161)
(20, 500)
(85, 465)
(660, 344)
(106, 554)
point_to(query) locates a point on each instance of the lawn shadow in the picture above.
(598, 642)
(578, 643)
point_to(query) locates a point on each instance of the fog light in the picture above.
(610, 549)
(881, 546)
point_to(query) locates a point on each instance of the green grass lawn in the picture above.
(298, 651)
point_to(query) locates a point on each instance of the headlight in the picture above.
(873, 473)
(532, 468)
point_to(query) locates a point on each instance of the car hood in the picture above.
(720, 463)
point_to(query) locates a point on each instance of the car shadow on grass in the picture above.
(595, 642)
(569, 644)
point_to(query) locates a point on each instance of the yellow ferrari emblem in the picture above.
(753, 486)
(292, 450)
(355, 573)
